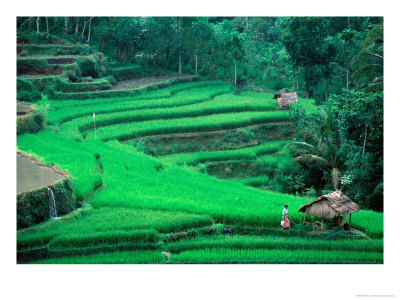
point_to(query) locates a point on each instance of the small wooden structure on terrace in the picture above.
(283, 100)
(330, 206)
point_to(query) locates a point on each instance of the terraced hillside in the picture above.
(64, 71)
(170, 166)
(134, 206)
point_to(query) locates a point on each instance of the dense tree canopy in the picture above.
(316, 56)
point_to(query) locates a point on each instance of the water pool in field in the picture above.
(31, 175)
(23, 108)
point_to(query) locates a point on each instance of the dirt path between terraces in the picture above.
(139, 82)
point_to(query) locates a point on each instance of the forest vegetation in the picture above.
(169, 132)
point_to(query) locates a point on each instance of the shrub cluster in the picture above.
(89, 66)
(26, 91)
(30, 123)
(72, 72)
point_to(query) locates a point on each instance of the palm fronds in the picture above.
(368, 65)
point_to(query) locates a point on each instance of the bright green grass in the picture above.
(133, 180)
(135, 257)
(111, 220)
(142, 196)
(118, 92)
(220, 104)
(193, 158)
(181, 98)
(274, 242)
(281, 161)
(224, 103)
(104, 238)
(369, 221)
(275, 256)
(253, 181)
(127, 131)
(148, 95)
(225, 254)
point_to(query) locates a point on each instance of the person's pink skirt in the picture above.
(286, 222)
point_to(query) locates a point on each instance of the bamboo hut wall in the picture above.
(321, 209)
(285, 99)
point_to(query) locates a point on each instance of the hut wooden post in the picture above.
(350, 222)
(304, 219)
(322, 223)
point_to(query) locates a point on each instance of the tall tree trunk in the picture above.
(47, 25)
(180, 47)
(326, 91)
(293, 79)
(297, 78)
(195, 72)
(365, 138)
(37, 25)
(335, 173)
(30, 24)
(77, 27)
(66, 25)
(84, 27)
(124, 55)
(307, 82)
(167, 50)
(90, 22)
(180, 62)
(347, 70)
(235, 72)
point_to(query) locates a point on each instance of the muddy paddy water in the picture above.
(23, 108)
(31, 175)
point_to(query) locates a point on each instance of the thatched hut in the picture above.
(330, 206)
(283, 100)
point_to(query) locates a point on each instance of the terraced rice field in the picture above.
(150, 201)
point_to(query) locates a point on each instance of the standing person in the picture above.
(285, 218)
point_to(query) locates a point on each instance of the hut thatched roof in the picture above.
(336, 201)
(284, 99)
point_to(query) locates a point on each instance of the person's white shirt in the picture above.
(284, 212)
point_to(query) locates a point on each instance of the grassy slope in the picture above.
(135, 183)
(244, 153)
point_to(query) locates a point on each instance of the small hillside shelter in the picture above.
(330, 206)
(283, 100)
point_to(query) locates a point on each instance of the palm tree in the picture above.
(318, 143)
(368, 65)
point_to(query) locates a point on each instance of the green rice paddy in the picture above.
(138, 206)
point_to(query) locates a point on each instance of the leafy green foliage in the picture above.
(30, 123)
(89, 66)
(26, 91)
(72, 72)
(145, 203)
(368, 64)
(360, 121)
(318, 143)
